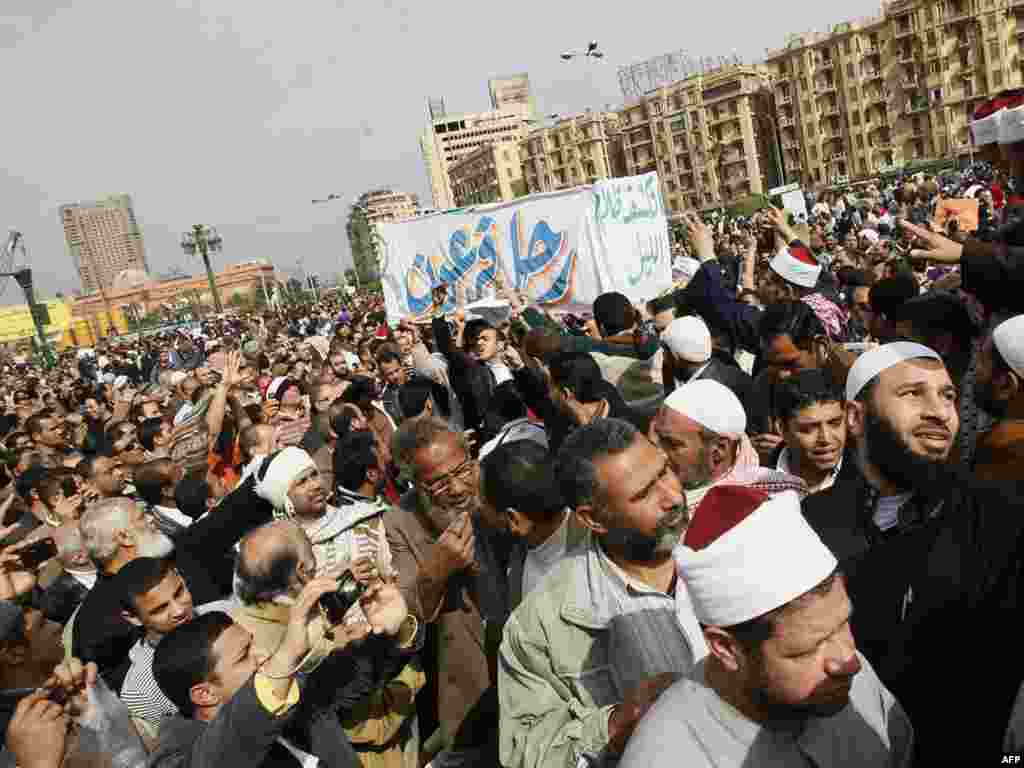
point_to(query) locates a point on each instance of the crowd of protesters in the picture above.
(761, 520)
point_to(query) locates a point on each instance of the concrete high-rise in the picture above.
(103, 238)
(450, 137)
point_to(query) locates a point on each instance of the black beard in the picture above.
(638, 547)
(892, 457)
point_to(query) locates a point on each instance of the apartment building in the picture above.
(490, 174)
(103, 238)
(708, 137)
(569, 152)
(878, 93)
(449, 138)
(383, 206)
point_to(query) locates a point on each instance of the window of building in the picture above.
(846, 46)
(813, 152)
(997, 77)
(991, 21)
(855, 116)
(860, 142)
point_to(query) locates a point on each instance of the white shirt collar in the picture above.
(783, 466)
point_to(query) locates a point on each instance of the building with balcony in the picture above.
(572, 151)
(384, 206)
(490, 174)
(905, 83)
(707, 136)
(450, 137)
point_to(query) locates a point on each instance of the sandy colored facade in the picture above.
(387, 205)
(103, 238)
(490, 174)
(451, 137)
(570, 152)
(708, 136)
(877, 93)
(244, 279)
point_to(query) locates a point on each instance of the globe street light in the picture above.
(204, 239)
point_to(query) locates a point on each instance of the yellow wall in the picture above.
(16, 321)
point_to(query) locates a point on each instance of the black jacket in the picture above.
(245, 734)
(726, 372)
(934, 601)
(471, 380)
(558, 422)
(101, 635)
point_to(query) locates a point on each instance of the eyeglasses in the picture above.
(443, 484)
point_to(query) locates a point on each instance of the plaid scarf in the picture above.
(833, 317)
(748, 471)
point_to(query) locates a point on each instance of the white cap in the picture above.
(177, 377)
(749, 553)
(120, 381)
(1008, 338)
(687, 265)
(712, 405)
(874, 361)
(689, 339)
(798, 268)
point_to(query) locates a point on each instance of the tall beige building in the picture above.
(386, 205)
(490, 174)
(880, 92)
(708, 136)
(448, 138)
(573, 151)
(512, 91)
(103, 238)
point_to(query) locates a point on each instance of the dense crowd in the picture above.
(760, 520)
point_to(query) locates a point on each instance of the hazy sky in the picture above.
(237, 113)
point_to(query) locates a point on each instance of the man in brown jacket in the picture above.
(439, 558)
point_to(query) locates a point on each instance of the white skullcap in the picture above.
(687, 265)
(749, 553)
(712, 405)
(285, 466)
(177, 377)
(874, 361)
(1008, 338)
(120, 381)
(689, 339)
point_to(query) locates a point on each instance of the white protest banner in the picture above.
(562, 249)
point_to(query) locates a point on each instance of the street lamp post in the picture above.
(204, 239)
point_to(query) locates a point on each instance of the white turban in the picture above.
(285, 467)
(689, 339)
(1008, 338)
(874, 361)
(712, 405)
(749, 553)
(799, 267)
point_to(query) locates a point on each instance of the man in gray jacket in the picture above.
(583, 658)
